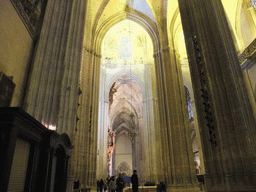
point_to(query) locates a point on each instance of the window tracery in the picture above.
(125, 48)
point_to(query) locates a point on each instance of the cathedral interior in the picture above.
(91, 88)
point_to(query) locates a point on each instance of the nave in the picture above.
(94, 88)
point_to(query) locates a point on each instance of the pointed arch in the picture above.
(120, 74)
(147, 23)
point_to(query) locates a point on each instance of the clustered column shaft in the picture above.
(225, 116)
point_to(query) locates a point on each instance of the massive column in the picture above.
(179, 131)
(226, 122)
(53, 89)
(178, 159)
(43, 93)
(161, 129)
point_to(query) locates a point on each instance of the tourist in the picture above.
(134, 181)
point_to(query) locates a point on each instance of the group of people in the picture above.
(108, 184)
(117, 185)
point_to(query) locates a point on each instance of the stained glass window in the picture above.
(125, 48)
(190, 111)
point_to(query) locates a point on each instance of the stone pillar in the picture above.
(87, 86)
(148, 127)
(91, 166)
(161, 129)
(72, 66)
(158, 164)
(87, 144)
(52, 93)
(53, 85)
(226, 122)
(182, 166)
(43, 94)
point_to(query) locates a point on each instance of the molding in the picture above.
(242, 58)
(246, 58)
(250, 51)
(247, 64)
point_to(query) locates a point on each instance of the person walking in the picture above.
(135, 181)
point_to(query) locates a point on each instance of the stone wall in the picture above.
(16, 47)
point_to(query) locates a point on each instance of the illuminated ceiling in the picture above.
(103, 10)
(126, 50)
(130, 39)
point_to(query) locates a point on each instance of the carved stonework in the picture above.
(204, 90)
(250, 50)
(124, 168)
(31, 13)
(242, 58)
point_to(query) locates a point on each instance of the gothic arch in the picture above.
(242, 4)
(121, 118)
(148, 24)
(172, 28)
(120, 74)
(238, 24)
(123, 131)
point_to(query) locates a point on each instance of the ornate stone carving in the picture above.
(31, 12)
(250, 50)
(124, 168)
(204, 91)
(242, 58)
(249, 53)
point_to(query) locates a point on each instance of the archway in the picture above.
(126, 101)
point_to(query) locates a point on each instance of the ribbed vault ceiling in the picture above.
(126, 107)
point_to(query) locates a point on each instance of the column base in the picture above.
(70, 183)
(236, 182)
